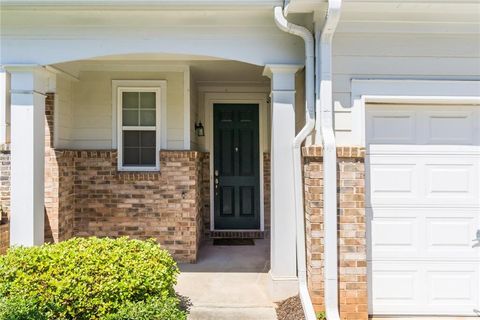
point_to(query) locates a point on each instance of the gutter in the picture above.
(307, 36)
(325, 123)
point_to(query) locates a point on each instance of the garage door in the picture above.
(423, 209)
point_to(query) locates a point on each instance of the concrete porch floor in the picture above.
(228, 282)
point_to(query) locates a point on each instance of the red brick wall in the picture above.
(4, 200)
(164, 205)
(59, 183)
(352, 229)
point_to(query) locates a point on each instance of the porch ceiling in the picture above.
(203, 69)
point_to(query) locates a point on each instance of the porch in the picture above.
(88, 188)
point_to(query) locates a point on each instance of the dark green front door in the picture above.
(236, 166)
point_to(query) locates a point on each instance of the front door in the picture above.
(236, 176)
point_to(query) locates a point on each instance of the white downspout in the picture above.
(325, 112)
(307, 36)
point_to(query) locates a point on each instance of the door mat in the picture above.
(233, 242)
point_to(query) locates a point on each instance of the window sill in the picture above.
(138, 169)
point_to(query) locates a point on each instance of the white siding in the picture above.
(397, 56)
(194, 140)
(92, 108)
(63, 113)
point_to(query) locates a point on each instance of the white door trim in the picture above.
(212, 98)
(407, 91)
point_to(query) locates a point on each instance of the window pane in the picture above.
(130, 100)
(147, 117)
(147, 139)
(148, 156)
(130, 118)
(147, 100)
(131, 156)
(131, 138)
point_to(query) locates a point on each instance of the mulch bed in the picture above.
(290, 309)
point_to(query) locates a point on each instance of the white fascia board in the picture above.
(141, 4)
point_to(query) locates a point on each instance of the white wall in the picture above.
(194, 116)
(394, 56)
(63, 113)
(91, 127)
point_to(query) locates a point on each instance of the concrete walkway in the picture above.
(228, 282)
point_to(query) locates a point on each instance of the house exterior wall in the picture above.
(4, 200)
(91, 108)
(59, 183)
(164, 205)
(85, 195)
(382, 55)
(352, 229)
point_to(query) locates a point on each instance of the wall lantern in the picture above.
(199, 129)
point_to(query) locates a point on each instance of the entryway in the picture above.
(236, 167)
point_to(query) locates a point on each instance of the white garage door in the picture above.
(423, 209)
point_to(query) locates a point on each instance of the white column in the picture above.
(4, 108)
(28, 87)
(283, 270)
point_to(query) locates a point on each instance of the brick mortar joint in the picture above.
(342, 152)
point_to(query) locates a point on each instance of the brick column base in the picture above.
(352, 229)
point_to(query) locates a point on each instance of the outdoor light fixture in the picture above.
(199, 130)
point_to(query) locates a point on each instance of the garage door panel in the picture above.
(455, 286)
(460, 126)
(397, 126)
(423, 288)
(442, 234)
(393, 236)
(423, 180)
(450, 237)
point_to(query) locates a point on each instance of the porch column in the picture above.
(4, 108)
(28, 87)
(283, 236)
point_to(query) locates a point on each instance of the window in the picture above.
(138, 115)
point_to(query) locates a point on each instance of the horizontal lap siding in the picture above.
(92, 108)
(396, 56)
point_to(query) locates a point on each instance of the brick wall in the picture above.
(206, 201)
(352, 229)
(59, 183)
(164, 205)
(4, 200)
(85, 195)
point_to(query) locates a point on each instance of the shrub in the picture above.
(88, 278)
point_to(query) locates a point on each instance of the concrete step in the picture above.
(232, 313)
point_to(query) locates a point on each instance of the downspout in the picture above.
(325, 112)
(307, 36)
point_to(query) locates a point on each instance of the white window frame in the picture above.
(159, 87)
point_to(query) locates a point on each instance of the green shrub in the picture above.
(152, 309)
(89, 278)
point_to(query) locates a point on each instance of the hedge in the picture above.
(88, 279)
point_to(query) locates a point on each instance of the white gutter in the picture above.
(325, 123)
(307, 36)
